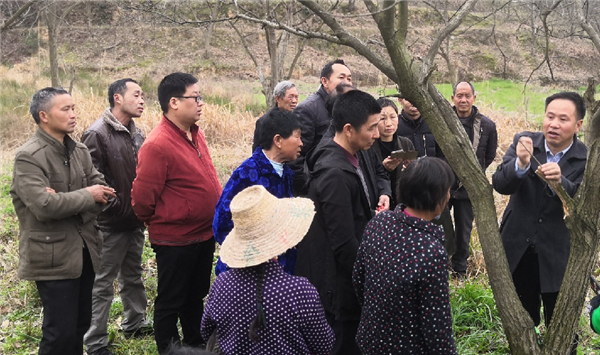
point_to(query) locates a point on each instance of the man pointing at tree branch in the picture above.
(534, 234)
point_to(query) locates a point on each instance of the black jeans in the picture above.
(67, 311)
(183, 282)
(463, 222)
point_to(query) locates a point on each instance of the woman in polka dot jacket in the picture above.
(401, 270)
(255, 307)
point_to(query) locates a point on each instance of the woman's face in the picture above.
(290, 147)
(388, 124)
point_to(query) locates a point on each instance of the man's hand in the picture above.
(384, 203)
(390, 164)
(522, 152)
(50, 190)
(101, 193)
(551, 171)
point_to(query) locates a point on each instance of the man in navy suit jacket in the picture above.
(534, 234)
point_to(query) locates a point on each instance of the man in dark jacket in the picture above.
(484, 138)
(336, 185)
(286, 99)
(113, 141)
(313, 115)
(57, 194)
(534, 234)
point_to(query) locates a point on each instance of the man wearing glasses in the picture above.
(175, 193)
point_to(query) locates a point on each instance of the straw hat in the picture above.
(264, 226)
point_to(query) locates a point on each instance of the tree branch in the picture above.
(6, 25)
(442, 34)
(350, 40)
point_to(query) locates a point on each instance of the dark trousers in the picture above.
(67, 311)
(183, 282)
(526, 278)
(463, 225)
(345, 335)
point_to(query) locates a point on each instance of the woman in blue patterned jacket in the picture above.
(279, 143)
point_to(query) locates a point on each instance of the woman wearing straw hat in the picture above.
(255, 307)
(280, 143)
(401, 269)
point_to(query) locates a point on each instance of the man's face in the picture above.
(187, 110)
(60, 119)
(410, 111)
(463, 99)
(364, 138)
(132, 101)
(560, 124)
(340, 73)
(289, 101)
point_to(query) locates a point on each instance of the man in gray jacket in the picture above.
(57, 194)
(113, 141)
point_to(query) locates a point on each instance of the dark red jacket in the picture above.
(176, 188)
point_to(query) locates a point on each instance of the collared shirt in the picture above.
(277, 166)
(550, 158)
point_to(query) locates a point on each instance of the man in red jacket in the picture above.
(175, 194)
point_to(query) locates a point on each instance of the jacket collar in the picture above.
(262, 159)
(322, 93)
(112, 121)
(578, 151)
(419, 223)
(69, 143)
(409, 122)
(168, 123)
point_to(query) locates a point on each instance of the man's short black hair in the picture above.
(425, 183)
(340, 89)
(41, 100)
(118, 87)
(353, 107)
(574, 97)
(173, 85)
(328, 68)
(456, 85)
(277, 122)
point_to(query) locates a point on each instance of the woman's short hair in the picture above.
(385, 102)
(424, 184)
(279, 122)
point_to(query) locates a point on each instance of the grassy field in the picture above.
(228, 122)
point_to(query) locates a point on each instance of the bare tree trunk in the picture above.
(214, 13)
(52, 19)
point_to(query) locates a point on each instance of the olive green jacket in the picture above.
(53, 226)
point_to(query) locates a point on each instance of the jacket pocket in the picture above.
(45, 248)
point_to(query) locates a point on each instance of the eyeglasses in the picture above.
(198, 99)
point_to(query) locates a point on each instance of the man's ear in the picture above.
(118, 99)
(174, 103)
(348, 130)
(324, 80)
(43, 116)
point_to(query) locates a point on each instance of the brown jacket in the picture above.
(53, 226)
(114, 150)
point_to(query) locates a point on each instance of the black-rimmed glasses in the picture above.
(198, 98)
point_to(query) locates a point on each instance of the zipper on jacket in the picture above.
(67, 163)
(424, 146)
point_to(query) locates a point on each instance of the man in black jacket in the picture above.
(113, 141)
(534, 234)
(484, 138)
(313, 115)
(337, 186)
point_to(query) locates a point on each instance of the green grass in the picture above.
(477, 326)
